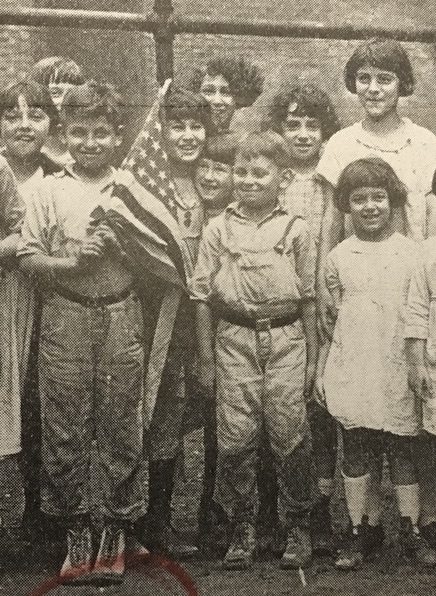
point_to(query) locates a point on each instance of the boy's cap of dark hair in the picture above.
(182, 104)
(57, 69)
(93, 99)
(267, 143)
(369, 172)
(245, 80)
(36, 95)
(386, 54)
(221, 148)
(305, 100)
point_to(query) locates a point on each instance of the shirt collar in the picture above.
(69, 171)
(308, 176)
(279, 209)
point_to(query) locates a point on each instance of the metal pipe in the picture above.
(164, 40)
(122, 21)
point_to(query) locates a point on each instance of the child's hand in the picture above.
(309, 380)
(319, 392)
(90, 252)
(109, 238)
(420, 382)
(326, 314)
(207, 375)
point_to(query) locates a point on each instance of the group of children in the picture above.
(310, 265)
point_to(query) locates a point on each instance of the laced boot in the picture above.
(298, 551)
(242, 547)
(77, 565)
(351, 555)
(414, 544)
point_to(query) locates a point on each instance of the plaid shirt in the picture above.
(305, 197)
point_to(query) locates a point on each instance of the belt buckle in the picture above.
(263, 324)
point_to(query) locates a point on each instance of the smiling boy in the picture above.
(91, 348)
(255, 275)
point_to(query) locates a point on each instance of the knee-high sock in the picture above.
(356, 494)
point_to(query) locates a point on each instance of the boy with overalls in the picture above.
(91, 355)
(255, 274)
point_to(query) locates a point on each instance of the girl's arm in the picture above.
(430, 223)
(419, 378)
(309, 323)
(332, 233)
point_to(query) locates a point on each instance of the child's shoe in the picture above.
(429, 533)
(110, 564)
(321, 527)
(414, 544)
(373, 539)
(352, 554)
(242, 547)
(298, 551)
(77, 565)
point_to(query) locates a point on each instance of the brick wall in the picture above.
(128, 58)
(16, 48)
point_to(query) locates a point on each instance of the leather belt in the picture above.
(92, 301)
(257, 324)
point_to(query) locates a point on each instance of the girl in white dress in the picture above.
(363, 370)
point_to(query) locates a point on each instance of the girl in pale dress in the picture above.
(363, 371)
(27, 117)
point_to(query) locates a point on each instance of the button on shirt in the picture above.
(260, 270)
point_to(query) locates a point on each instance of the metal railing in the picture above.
(163, 23)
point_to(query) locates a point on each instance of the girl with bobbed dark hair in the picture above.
(362, 372)
(228, 84)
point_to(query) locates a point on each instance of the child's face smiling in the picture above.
(24, 129)
(214, 182)
(257, 182)
(303, 138)
(184, 140)
(91, 142)
(378, 91)
(370, 211)
(216, 92)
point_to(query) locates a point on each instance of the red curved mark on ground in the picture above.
(145, 564)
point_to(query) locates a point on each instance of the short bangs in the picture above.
(221, 148)
(57, 69)
(386, 54)
(267, 144)
(36, 96)
(181, 104)
(373, 173)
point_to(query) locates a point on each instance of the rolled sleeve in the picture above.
(305, 260)
(418, 305)
(208, 263)
(35, 229)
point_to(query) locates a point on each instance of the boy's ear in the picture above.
(287, 176)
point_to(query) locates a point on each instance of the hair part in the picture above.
(370, 172)
(92, 100)
(309, 100)
(36, 96)
(267, 144)
(245, 80)
(57, 69)
(182, 104)
(386, 54)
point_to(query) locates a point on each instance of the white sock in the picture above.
(356, 495)
(375, 502)
(408, 501)
(325, 486)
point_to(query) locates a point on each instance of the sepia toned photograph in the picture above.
(217, 298)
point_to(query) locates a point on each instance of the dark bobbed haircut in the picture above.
(369, 172)
(36, 95)
(386, 54)
(57, 69)
(309, 101)
(182, 104)
(245, 79)
(91, 100)
(265, 144)
(221, 148)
